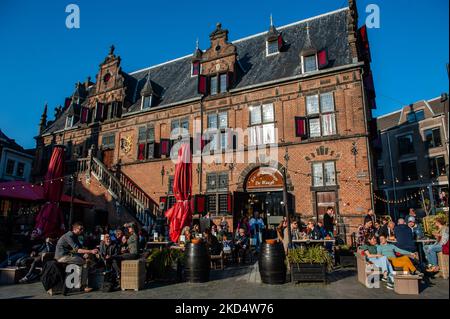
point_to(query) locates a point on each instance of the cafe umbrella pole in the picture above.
(285, 199)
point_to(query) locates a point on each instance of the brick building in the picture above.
(412, 155)
(305, 89)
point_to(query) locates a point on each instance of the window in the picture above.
(320, 110)
(437, 166)
(262, 126)
(146, 142)
(217, 182)
(146, 102)
(432, 138)
(178, 127)
(10, 167)
(405, 144)
(69, 121)
(217, 124)
(409, 171)
(380, 175)
(219, 84)
(309, 63)
(272, 47)
(324, 174)
(170, 190)
(195, 68)
(416, 116)
(20, 169)
(109, 141)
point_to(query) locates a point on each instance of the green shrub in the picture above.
(310, 255)
(161, 261)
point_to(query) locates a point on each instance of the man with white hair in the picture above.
(404, 236)
(415, 228)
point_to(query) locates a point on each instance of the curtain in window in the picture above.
(255, 115)
(314, 127)
(328, 124)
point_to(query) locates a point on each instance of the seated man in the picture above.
(404, 236)
(35, 259)
(108, 250)
(68, 250)
(390, 251)
(240, 244)
(130, 251)
(313, 231)
(213, 244)
(382, 262)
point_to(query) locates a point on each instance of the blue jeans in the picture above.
(384, 264)
(431, 253)
(12, 259)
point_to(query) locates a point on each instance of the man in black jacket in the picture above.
(328, 221)
(404, 236)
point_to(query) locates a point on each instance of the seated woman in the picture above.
(313, 231)
(35, 258)
(390, 251)
(382, 262)
(241, 244)
(432, 250)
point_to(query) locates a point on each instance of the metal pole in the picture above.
(285, 198)
(72, 191)
(201, 149)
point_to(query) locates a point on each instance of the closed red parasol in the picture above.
(180, 215)
(50, 220)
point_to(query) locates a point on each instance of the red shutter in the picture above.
(364, 43)
(84, 114)
(67, 102)
(141, 151)
(300, 127)
(229, 203)
(202, 84)
(195, 68)
(99, 112)
(280, 42)
(322, 56)
(199, 204)
(165, 147)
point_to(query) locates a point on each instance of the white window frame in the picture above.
(303, 64)
(143, 99)
(267, 49)
(199, 71)
(71, 121)
(320, 115)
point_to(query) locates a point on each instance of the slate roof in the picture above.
(176, 84)
(5, 141)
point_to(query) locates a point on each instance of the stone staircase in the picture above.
(121, 187)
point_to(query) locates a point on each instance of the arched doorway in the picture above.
(263, 193)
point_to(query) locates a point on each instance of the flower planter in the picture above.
(308, 273)
(346, 260)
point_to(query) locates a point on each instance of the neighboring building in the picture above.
(412, 155)
(15, 162)
(310, 81)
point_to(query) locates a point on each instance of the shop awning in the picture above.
(29, 192)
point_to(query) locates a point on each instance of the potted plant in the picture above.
(309, 264)
(165, 264)
(345, 256)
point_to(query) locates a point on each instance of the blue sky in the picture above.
(40, 59)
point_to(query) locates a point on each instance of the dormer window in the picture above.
(107, 77)
(69, 121)
(146, 102)
(272, 47)
(309, 63)
(195, 68)
(219, 84)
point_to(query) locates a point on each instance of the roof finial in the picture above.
(111, 49)
(271, 20)
(196, 44)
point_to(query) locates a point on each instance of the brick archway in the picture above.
(251, 167)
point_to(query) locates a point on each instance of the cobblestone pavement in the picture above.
(242, 282)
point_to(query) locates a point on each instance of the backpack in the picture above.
(109, 282)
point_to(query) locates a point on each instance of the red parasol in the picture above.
(50, 220)
(180, 215)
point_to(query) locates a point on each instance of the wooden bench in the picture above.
(407, 284)
(443, 265)
(132, 275)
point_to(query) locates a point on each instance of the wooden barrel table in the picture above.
(272, 265)
(198, 263)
